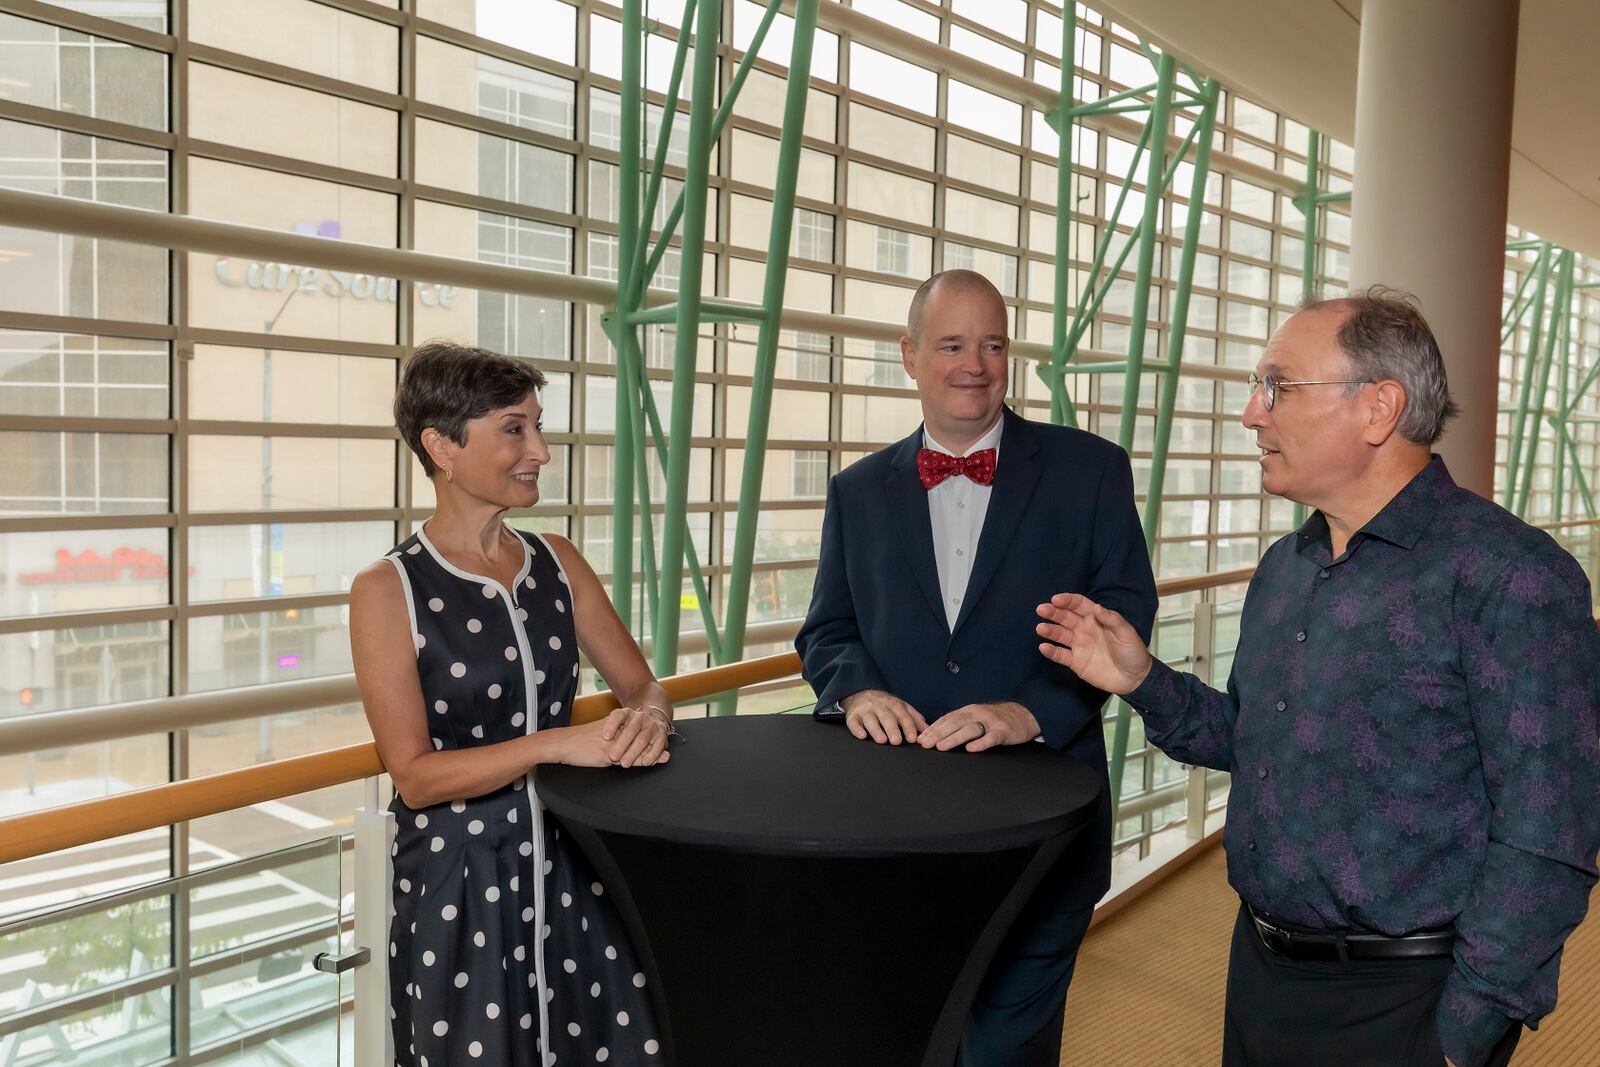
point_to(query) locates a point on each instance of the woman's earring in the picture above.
(449, 475)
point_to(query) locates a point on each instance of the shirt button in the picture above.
(961, 505)
(953, 667)
(1301, 636)
(961, 552)
(1262, 773)
(1252, 846)
(1282, 704)
(1324, 573)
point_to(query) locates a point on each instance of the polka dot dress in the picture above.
(504, 947)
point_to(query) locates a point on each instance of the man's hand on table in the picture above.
(884, 717)
(980, 727)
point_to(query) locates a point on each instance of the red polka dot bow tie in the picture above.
(935, 467)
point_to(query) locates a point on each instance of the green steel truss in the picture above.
(1545, 302)
(638, 423)
(639, 426)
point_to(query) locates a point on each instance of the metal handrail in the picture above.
(37, 834)
(135, 718)
(57, 214)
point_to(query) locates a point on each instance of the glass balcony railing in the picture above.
(214, 967)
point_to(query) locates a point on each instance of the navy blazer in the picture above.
(1061, 519)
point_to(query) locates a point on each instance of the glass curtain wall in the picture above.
(200, 449)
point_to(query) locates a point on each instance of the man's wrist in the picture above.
(1149, 665)
(1030, 723)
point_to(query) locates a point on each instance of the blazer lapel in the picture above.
(908, 508)
(1014, 479)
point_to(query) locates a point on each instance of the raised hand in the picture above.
(884, 717)
(1095, 643)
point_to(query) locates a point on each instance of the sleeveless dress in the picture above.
(504, 948)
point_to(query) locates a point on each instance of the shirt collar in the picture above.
(990, 438)
(1404, 519)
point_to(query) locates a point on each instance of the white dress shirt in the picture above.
(956, 507)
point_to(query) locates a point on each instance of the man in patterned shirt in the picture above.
(1411, 723)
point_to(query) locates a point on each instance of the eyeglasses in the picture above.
(1273, 385)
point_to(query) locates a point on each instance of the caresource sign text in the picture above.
(338, 284)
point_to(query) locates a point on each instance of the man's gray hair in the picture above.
(1384, 336)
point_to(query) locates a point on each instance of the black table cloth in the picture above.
(800, 897)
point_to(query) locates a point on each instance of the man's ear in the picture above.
(906, 348)
(1384, 412)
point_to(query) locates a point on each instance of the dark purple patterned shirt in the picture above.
(1412, 733)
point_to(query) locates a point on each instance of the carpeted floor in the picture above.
(1148, 989)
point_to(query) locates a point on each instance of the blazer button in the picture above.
(953, 667)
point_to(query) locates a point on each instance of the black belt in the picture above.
(1300, 944)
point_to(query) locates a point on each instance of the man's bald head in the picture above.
(945, 282)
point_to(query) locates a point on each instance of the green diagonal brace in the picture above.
(1530, 365)
(669, 227)
(1560, 318)
(765, 372)
(708, 19)
(1155, 171)
(624, 340)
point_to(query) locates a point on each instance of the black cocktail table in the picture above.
(798, 897)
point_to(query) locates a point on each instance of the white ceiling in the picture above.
(1299, 56)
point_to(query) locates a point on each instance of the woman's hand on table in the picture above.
(628, 737)
(638, 736)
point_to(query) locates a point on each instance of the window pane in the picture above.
(288, 121)
(70, 71)
(889, 194)
(546, 28)
(780, 535)
(452, 157)
(305, 35)
(274, 385)
(468, 81)
(58, 274)
(73, 374)
(239, 294)
(257, 647)
(145, 14)
(248, 473)
(83, 666)
(82, 473)
(82, 570)
(893, 79)
(281, 559)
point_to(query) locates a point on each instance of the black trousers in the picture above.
(1362, 1013)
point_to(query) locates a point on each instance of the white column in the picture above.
(1433, 150)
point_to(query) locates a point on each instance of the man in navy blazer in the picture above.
(935, 553)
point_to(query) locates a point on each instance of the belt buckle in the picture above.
(1270, 933)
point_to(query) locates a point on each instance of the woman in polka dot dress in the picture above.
(504, 947)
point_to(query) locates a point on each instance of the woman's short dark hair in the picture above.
(445, 385)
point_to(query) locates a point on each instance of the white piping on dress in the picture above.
(536, 812)
(411, 604)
